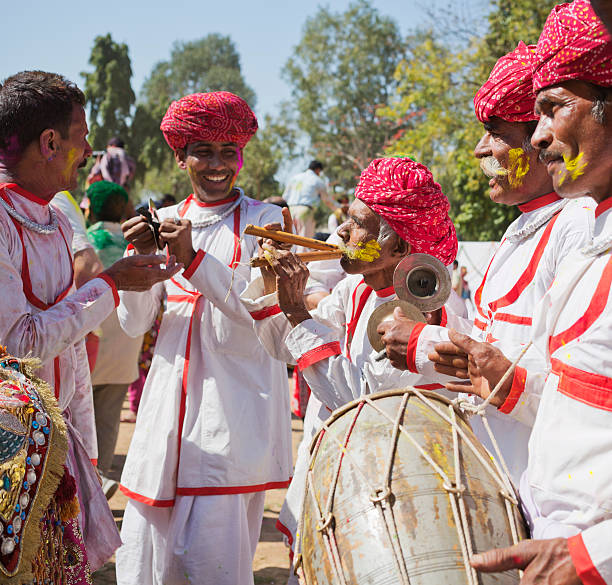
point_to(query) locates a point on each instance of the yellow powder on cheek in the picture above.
(70, 158)
(518, 164)
(574, 167)
(367, 252)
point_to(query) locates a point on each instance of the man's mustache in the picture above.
(492, 168)
(546, 156)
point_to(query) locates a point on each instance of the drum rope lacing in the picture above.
(455, 490)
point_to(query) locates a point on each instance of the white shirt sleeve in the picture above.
(80, 242)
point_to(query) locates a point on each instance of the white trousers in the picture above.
(203, 540)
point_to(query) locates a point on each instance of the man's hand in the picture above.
(481, 363)
(138, 232)
(139, 273)
(395, 335)
(176, 234)
(545, 562)
(291, 277)
(267, 273)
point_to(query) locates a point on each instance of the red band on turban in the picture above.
(508, 93)
(218, 116)
(405, 194)
(573, 45)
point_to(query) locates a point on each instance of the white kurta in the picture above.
(319, 347)
(517, 277)
(568, 485)
(46, 317)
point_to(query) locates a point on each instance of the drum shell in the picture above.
(426, 527)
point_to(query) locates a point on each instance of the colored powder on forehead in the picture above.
(367, 252)
(518, 164)
(574, 167)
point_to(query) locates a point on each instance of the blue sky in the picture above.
(58, 36)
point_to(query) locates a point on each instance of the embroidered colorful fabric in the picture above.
(574, 44)
(218, 116)
(405, 194)
(508, 93)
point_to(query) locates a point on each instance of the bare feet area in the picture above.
(271, 563)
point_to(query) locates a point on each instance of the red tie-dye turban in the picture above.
(218, 116)
(405, 194)
(508, 93)
(573, 45)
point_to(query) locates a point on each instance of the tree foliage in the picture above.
(437, 83)
(108, 91)
(341, 73)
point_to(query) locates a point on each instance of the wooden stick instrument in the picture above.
(288, 238)
(305, 257)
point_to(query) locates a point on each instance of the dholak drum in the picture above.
(400, 491)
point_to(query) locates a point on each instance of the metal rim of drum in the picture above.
(415, 262)
(384, 312)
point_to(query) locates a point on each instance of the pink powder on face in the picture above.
(10, 153)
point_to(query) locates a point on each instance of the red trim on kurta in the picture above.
(594, 310)
(413, 340)
(108, 280)
(478, 293)
(514, 319)
(232, 489)
(479, 324)
(443, 317)
(318, 353)
(357, 309)
(385, 292)
(148, 501)
(25, 194)
(586, 387)
(603, 206)
(586, 570)
(539, 202)
(429, 387)
(264, 313)
(284, 530)
(57, 377)
(518, 387)
(193, 199)
(237, 250)
(528, 274)
(195, 263)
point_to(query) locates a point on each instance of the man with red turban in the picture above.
(399, 210)
(526, 261)
(213, 429)
(567, 490)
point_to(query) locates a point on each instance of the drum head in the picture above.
(423, 281)
(385, 313)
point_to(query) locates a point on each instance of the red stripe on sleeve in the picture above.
(412, 346)
(518, 387)
(319, 353)
(587, 571)
(267, 312)
(108, 280)
(188, 272)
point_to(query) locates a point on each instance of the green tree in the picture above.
(108, 91)
(438, 82)
(341, 73)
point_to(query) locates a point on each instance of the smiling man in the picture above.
(568, 486)
(399, 209)
(528, 257)
(43, 143)
(213, 427)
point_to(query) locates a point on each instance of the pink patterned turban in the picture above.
(508, 93)
(218, 116)
(573, 45)
(405, 194)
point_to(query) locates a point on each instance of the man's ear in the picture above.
(402, 247)
(179, 157)
(48, 143)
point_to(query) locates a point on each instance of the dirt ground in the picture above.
(271, 564)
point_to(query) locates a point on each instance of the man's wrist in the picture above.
(296, 315)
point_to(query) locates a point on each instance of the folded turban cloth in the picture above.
(100, 192)
(405, 194)
(508, 93)
(574, 44)
(218, 116)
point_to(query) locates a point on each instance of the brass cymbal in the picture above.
(423, 281)
(385, 313)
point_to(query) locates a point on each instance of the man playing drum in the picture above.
(567, 489)
(528, 257)
(399, 209)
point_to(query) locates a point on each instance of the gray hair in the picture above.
(385, 231)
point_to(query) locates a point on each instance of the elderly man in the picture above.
(568, 486)
(43, 143)
(399, 209)
(527, 259)
(213, 428)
